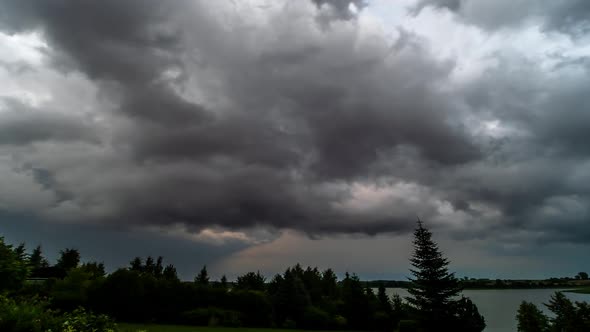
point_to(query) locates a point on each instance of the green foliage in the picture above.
(34, 316)
(254, 305)
(26, 316)
(68, 259)
(73, 290)
(250, 281)
(467, 316)
(169, 273)
(316, 318)
(212, 316)
(531, 319)
(582, 276)
(37, 262)
(81, 320)
(13, 267)
(568, 316)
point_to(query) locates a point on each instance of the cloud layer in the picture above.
(306, 115)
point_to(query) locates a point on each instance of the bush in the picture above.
(382, 321)
(81, 320)
(315, 318)
(211, 317)
(408, 326)
(28, 316)
(13, 269)
(34, 316)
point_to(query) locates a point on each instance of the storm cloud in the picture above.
(254, 114)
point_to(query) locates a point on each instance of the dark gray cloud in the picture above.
(237, 121)
(21, 125)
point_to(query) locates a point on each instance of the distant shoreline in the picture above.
(572, 285)
(580, 290)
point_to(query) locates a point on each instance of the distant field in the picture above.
(175, 328)
(580, 290)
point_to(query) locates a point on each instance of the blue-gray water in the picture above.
(499, 306)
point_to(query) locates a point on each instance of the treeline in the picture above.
(484, 283)
(149, 291)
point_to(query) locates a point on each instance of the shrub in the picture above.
(211, 317)
(34, 316)
(407, 325)
(315, 318)
(27, 316)
(81, 320)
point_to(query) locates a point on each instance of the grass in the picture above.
(585, 290)
(176, 328)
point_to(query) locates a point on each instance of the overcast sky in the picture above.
(254, 134)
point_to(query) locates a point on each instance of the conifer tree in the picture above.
(203, 277)
(434, 290)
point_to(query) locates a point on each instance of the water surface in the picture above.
(499, 306)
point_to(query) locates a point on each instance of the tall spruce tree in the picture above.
(434, 290)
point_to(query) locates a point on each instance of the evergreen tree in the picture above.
(251, 281)
(467, 316)
(136, 265)
(566, 318)
(329, 283)
(434, 290)
(149, 266)
(203, 277)
(383, 299)
(223, 282)
(21, 251)
(69, 259)
(13, 270)
(170, 273)
(36, 260)
(531, 319)
(159, 268)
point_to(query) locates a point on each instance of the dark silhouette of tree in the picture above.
(150, 266)
(158, 268)
(223, 282)
(399, 309)
(434, 290)
(565, 318)
(468, 317)
(582, 276)
(21, 251)
(169, 273)
(96, 270)
(203, 277)
(136, 264)
(383, 299)
(69, 259)
(329, 283)
(39, 265)
(531, 319)
(13, 269)
(251, 281)
(355, 307)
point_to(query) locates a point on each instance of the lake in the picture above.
(499, 307)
